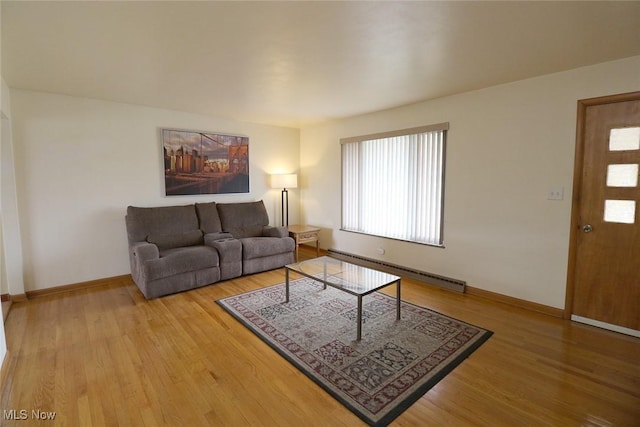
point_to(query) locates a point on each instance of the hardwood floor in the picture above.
(105, 356)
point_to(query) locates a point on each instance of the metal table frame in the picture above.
(325, 280)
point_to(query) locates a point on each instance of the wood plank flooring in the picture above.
(105, 356)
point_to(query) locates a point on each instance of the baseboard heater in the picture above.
(422, 276)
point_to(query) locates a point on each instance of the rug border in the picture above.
(402, 406)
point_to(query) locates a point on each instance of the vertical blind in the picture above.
(393, 184)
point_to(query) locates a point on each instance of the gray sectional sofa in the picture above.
(176, 248)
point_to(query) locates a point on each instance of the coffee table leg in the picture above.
(286, 275)
(324, 276)
(359, 317)
(398, 300)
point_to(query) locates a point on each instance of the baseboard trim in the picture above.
(7, 303)
(75, 286)
(18, 297)
(14, 298)
(515, 302)
(469, 290)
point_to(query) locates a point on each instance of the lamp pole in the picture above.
(284, 181)
(285, 195)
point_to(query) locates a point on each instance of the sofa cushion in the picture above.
(208, 216)
(164, 220)
(189, 238)
(180, 260)
(257, 247)
(256, 265)
(243, 219)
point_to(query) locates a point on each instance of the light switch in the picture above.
(555, 193)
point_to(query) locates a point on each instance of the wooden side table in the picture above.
(304, 234)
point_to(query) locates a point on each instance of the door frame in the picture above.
(578, 168)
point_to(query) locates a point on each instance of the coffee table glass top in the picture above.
(349, 277)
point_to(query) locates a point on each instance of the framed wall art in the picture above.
(204, 163)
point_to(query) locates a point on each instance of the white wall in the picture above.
(4, 121)
(507, 147)
(80, 162)
(12, 266)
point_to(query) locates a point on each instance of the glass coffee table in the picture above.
(351, 278)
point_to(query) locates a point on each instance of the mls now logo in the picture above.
(14, 414)
(23, 414)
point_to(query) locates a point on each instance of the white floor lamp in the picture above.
(284, 181)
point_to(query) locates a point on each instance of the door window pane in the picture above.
(623, 211)
(623, 139)
(622, 175)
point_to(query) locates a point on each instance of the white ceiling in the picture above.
(296, 63)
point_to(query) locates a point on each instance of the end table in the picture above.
(304, 234)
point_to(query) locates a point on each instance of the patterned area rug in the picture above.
(377, 378)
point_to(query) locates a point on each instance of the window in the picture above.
(393, 184)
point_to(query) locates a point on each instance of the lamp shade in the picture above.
(284, 181)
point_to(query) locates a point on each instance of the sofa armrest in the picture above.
(210, 238)
(269, 231)
(144, 251)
